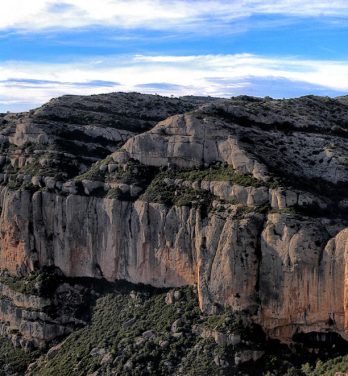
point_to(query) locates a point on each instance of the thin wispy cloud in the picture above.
(154, 14)
(25, 82)
(215, 75)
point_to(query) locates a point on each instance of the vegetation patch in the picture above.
(218, 172)
(169, 194)
(114, 193)
(96, 172)
(57, 166)
(131, 172)
(40, 283)
(137, 333)
(128, 335)
(136, 330)
(290, 211)
(226, 321)
(329, 368)
(13, 361)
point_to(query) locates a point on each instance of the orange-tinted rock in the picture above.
(290, 273)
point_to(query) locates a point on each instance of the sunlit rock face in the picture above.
(245, 198)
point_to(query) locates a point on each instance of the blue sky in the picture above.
(281, 48)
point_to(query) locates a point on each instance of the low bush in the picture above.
(13, 361)
(220, 172)
(163, 193)
(41, 283)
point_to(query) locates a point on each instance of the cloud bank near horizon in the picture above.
(155, 14)
(25, 85)
(281, 48)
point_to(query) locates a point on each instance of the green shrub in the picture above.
(160, 192)
(94, 172)
(220, 172)
(14, 184)
(116, 323)
(13, 361)
(41, 283)
(114, 193)
(226, 321)
(330, 367)
(131, 172)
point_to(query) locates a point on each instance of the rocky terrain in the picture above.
(246, 199)
(63, 137)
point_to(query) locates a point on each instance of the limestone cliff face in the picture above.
(302, 277)
(289, 274)
(140, 242)
(265, 231)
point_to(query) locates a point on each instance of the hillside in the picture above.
(243, 199)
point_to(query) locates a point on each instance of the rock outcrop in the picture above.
(245, 198)
(32, 321)
(65, 136)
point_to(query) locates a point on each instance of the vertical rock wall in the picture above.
(289, 272)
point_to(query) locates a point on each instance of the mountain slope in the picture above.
(244, 198)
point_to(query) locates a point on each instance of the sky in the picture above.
(277, 48)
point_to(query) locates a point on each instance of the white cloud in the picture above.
(154, 14)
(25, 84)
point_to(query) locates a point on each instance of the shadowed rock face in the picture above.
(245, 198)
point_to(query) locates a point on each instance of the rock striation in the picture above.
(245, 198)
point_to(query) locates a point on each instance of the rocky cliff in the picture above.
(245, 198)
